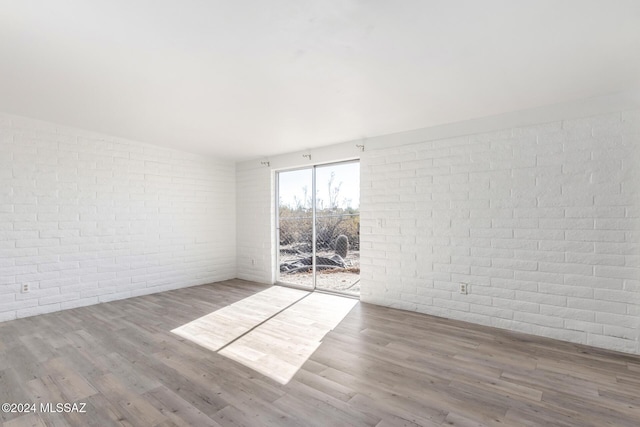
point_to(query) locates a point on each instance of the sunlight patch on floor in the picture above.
(217, 329)
(279, 346)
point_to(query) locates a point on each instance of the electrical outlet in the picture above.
(464, 288)
(25, 288)
(253, 261)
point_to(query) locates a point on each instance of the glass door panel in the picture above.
(295, 228)
(338, 227)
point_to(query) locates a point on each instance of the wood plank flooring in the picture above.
(221, 327)
(280, 346)
(378, 367)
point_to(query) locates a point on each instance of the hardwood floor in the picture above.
(378, 367)
(273, 332)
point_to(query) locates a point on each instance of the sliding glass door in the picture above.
(319, 227)
(337, 228)
(295, 227)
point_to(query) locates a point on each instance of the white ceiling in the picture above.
(249, 78)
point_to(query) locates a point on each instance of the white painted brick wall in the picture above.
(256, 216)
(87, 218)
(542, 221)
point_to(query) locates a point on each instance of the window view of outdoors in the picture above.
(337, 227)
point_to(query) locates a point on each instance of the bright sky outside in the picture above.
(347, 176)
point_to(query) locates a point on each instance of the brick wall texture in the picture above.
(87, 218)
(541, 222)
